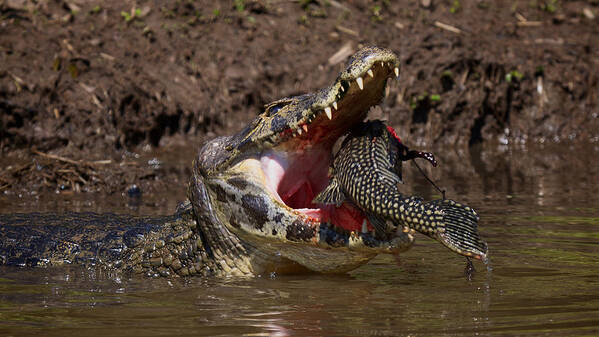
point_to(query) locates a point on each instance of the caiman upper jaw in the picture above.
(327, 113)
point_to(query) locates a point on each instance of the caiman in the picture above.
(250, 209)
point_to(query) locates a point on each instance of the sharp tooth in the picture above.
(364, 226)
(305, 127)
(335, 105)
(370, 73)
(360, 83)
(396, 70)
(382, 64)
(299, 131)
(342, 89)
(328, 111)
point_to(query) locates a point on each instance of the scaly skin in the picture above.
(155, 246)
(250, 209)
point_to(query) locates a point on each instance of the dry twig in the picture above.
(71, 161)
(448, 27)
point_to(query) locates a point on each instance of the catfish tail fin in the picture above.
(458, 229)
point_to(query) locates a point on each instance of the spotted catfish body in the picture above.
(366, 171)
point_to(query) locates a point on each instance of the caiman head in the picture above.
(252, 192)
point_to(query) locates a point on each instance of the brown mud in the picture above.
(89, 90)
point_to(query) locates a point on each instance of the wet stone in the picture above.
(183, 272)
(167, 260)
(156, 261)
(164, 272)
(176, 265)
(134, 237)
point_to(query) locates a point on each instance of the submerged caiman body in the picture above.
(250, 208)
(157, 246)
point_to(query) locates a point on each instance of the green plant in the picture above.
(514, 74)
(128, 16)
(376, 12)
(550, 6)
(303, 20)
(455, 7)
(239, 5)
(73, 71)
(435, 98)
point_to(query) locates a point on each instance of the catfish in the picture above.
(366, 171)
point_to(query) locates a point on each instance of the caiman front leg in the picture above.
(227, 254)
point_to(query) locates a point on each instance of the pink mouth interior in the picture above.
(297, 178)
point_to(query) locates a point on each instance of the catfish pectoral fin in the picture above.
(332, 194)
(379, 224)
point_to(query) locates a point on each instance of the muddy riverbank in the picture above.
(87, 89)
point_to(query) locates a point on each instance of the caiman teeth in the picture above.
(360, 82)
(370, 73)
(335, 105)
(299, 131)
(396, 70)
(328, 111)
(305, 127)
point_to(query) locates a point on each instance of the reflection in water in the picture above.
(539, 214)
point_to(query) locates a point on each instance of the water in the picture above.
(539, 212)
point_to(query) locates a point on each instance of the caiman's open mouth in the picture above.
(296, 167)
(260, 182)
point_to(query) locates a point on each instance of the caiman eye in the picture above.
(275, 108)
